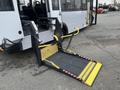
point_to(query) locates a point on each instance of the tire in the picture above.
(64, 29)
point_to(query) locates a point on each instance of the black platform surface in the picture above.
(71, 63)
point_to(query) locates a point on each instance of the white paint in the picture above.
(10, 24)
(75, 19)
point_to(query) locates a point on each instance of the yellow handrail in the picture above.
(2, 50)
(42, 46)
(56, 37)
(69, 35)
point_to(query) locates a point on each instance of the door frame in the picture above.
(54, 13)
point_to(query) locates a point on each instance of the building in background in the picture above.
(108, 1)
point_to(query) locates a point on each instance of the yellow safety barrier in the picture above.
(48, 51)
(90, 72)
(93, 74)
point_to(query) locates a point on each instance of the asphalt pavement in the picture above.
(100, 42)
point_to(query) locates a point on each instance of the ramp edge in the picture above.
(90, 80)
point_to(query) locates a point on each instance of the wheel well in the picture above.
(65, 29)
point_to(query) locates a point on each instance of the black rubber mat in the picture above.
(68, 62)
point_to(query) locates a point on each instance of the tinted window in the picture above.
(73, 5)
(55, 4)
(6, 5)
(84, 4)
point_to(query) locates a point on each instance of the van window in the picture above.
(74, 5)
(84, 4)
(6, 5)
(71, 5)
(55, 4)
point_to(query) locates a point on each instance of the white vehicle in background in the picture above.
(18, 17)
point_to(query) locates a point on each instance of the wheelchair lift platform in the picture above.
(81, 68)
